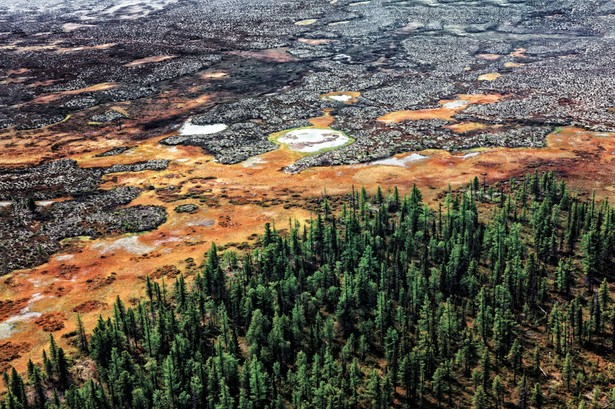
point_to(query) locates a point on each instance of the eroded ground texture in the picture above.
(93, 94)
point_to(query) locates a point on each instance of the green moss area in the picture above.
(498, 296)
(277, 135)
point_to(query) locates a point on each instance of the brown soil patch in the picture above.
(100, 282)
(90, 306)
(168, 271)
(51, 322)
(10, 351)
(9, 308)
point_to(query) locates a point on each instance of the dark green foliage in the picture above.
(386, 303)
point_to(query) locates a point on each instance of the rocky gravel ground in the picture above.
(62, 178)
(555, 62)
(31, 229)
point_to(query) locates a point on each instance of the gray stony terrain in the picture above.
(31, 229)
(399, 54)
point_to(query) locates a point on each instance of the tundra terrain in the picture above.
(134, 134)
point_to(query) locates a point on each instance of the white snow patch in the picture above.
(307, 22)
(402, 162)
(455, 104)
(341, 98)
(189, 128)
(129, 244)
(313, 139)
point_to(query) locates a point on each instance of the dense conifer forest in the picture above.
(498, 297)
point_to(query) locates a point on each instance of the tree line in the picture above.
(499, 297)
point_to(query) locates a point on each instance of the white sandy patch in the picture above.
(68, 27)
(455, 104)
(137, 6)
(202, 223)
(470, 155)
(129, 244)
(167, 240)
(214, 75)
(43, 203)
(253, 162)
(191, 129)
(313, 139)
(412, 26)
(306, 22)
(401, 162)
(64, 257)
(7, 327)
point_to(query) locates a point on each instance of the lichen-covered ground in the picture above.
(100, 185)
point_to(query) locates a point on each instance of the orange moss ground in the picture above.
(324, 121)
(492, 76)
(45, 99)
(71, 137)
(234, 202)
(446, 112)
